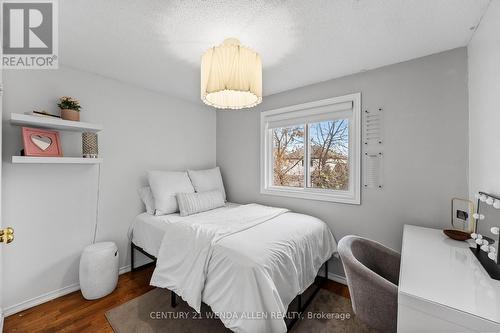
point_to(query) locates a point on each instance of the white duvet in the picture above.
(247, 263)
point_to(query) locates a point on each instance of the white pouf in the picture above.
(99, 270)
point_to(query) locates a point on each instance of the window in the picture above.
(312, 150)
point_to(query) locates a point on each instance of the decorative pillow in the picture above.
(192, 203)
(207, 180)
(165, 185)
(147, 198)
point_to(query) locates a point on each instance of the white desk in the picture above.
(443, 287)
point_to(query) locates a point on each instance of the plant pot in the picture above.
(68, 114)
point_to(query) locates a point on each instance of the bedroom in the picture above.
(369, 118)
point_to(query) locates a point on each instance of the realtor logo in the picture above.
(29, 34)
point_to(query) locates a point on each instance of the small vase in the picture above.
(68, 114)
(90, 147)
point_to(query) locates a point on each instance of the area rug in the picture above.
(152, 312)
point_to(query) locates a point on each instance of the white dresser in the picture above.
(443, 287)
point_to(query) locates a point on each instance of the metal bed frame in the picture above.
(301, 306)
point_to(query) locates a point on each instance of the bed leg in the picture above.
(326, 269)
(173, 300)
(132, 257)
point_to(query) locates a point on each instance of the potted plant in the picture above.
(70, 108)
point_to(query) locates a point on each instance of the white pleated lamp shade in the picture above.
(231, 76)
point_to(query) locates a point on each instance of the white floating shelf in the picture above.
(55, 160)
(53, 123)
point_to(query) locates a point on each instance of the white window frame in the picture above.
(314, 109)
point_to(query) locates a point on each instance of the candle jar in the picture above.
(90, 148)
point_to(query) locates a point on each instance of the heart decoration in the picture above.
(42, 142)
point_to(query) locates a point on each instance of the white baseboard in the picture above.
(48, 296)
(337, 278)
(40, 299)
(333, 276)
(124, 269)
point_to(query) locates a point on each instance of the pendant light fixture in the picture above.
(231, 76)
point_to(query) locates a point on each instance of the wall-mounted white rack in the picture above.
(55, 160)
(20, 119)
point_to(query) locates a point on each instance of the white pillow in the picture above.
(207, 180)
(165, 185)
(147, 198)
(192, 203)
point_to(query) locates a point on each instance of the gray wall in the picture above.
(425, 149)
(52, 207)
(484, 90)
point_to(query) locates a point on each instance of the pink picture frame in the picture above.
(38, 142)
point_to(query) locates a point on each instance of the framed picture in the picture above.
(38, 142)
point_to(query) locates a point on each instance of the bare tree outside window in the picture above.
(288, 156)
(329, 154)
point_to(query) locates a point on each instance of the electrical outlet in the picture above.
(461, 215)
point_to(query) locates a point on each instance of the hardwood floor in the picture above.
(335, 287)
(72, 313)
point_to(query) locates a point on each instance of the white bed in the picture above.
(256, 269)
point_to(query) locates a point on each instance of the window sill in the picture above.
(347, 198)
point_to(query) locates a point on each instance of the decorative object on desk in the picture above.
(70, 108)
(488, 199)
(483, 243)
(38, 142)
(457, 234)
(462, 215)
(478, 217)
(90, 148)
(481, 240)
(485, 250)
(492, 251)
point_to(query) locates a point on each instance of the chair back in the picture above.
(372, 273)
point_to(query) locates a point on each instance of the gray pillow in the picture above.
(192, 203)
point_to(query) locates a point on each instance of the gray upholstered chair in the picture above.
(372, 272)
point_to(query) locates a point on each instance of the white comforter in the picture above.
(246, 262)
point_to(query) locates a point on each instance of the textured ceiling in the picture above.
(158, 44)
